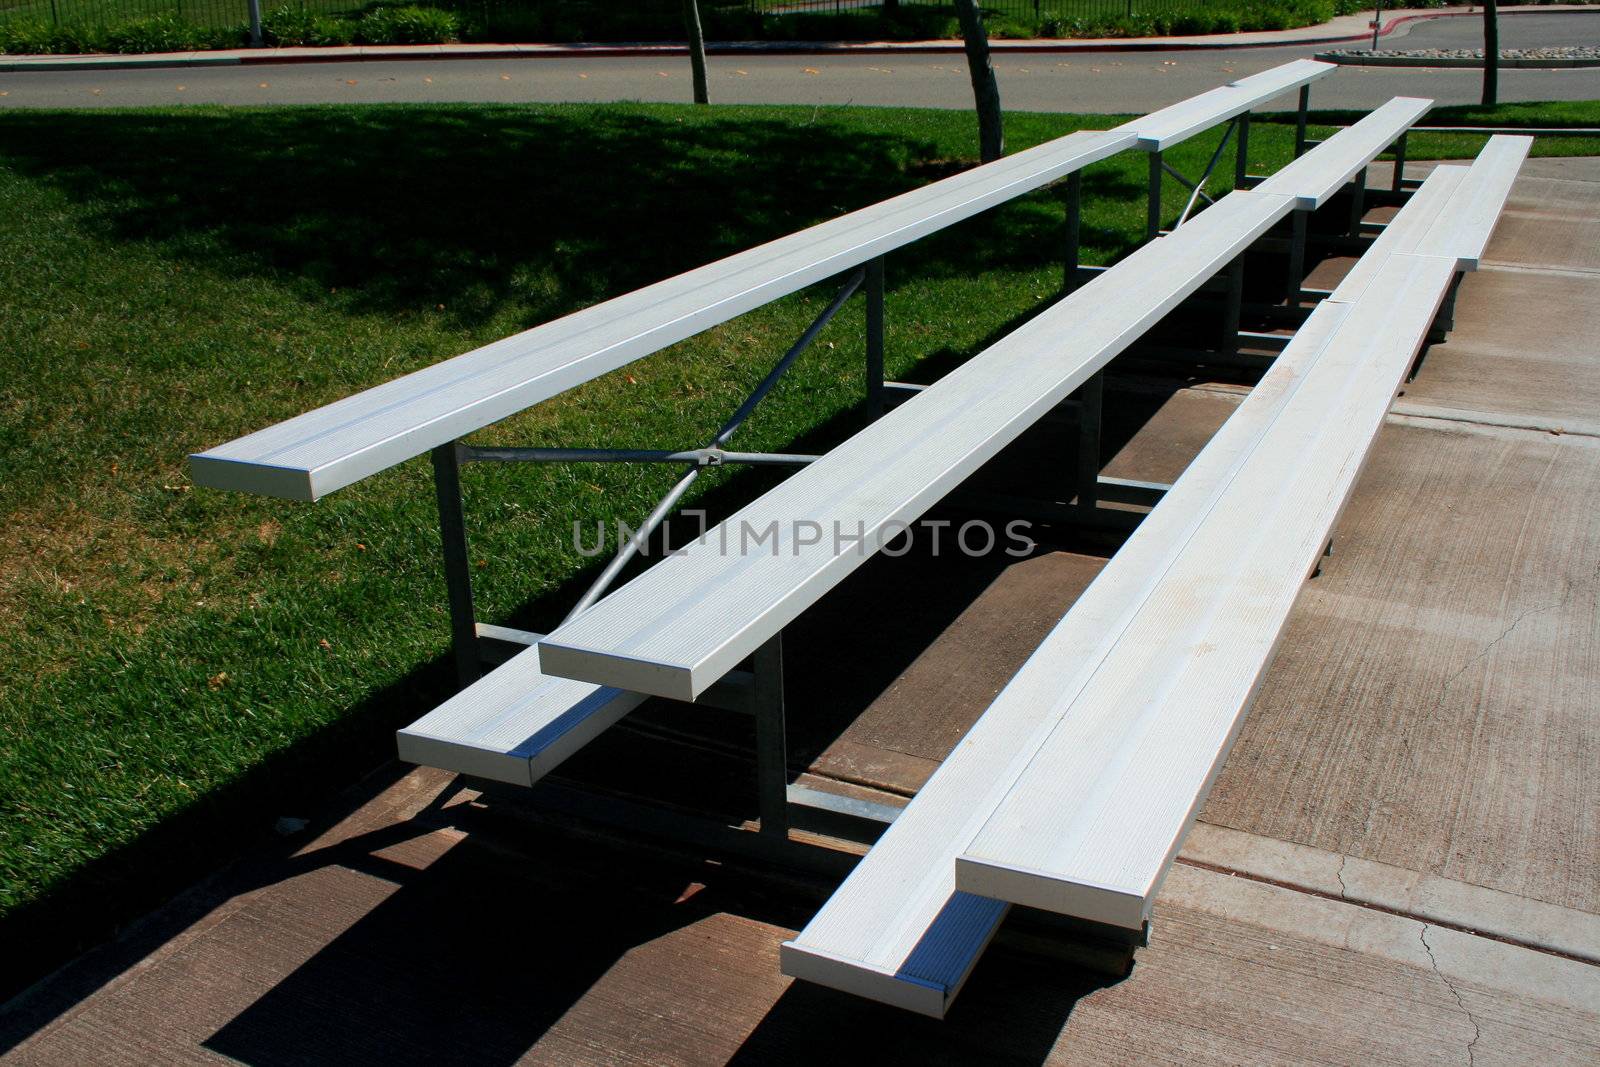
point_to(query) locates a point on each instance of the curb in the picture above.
(393, 53)
(1452, 61)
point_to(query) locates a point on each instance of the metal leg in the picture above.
(1297, 257)
(1069, 279)
(457, 568)
(1091, 403)
(874, 282)
(1233, 305)
(1241, 161)
(1152, 222)
(772, 746)
(1300, 122)
(1358, 201)
(1399, 163)
(1443, 322)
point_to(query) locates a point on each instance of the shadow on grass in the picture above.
(397, 209)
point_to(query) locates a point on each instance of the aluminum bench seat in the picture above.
(896, 930)
(1094, 820)
(681, 625)
(1162, 129)
(1315, 177)
(1452, 215)
(899, 930)
(515, 724)
(313, 454)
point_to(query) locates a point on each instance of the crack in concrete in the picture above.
(1344, 890)
(1477, 1031)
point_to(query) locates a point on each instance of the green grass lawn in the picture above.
(181, 666)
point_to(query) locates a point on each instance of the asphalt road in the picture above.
(1096, 82)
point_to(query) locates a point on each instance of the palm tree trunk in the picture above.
(985, 91)
(697, 50)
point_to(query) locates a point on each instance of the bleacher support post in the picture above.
(772, 745)
(874, 285)
(1091, 404)
(1297, 257)
(457, 569)
(1241, 159)
(1358, 201)
(1399, 164)
(1069, 273)
(1152, 222)
(1300, 122)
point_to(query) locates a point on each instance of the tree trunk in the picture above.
(1491, 53)
(985, 91)
(697, 50)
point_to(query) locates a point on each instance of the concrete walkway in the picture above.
(1397, 865)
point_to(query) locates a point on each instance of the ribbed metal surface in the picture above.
(681, 625)
(514, 725)
(1162, 129)
(1316, 176)
(1468, 223)
(1095, 819)
(895, 896)
(333, 446)
(1403, 232)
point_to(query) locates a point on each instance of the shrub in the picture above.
(288, 26)
(34, 38)
(157, 33)
(408, 25)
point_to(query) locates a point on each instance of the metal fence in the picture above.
(593, 16)
(1021, 9)
(110, 13)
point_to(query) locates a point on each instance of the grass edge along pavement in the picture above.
(182, 667)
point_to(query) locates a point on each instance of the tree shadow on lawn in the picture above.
(394, 209)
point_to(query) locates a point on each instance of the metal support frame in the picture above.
(1233, 305)
(1399, 163)
(1300, 121)
(1152, 216)
(772, 744)
(1072, 245)
(1239, 124)
(1358, 201)
(1241, 162)
(875, 284)
(457, 565)
(1297, 255)
(1090, 408)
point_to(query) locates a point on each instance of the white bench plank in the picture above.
(678, 627)
(1162, 129)
(1403, 232)
(876, 933)
(1451, 216)
(1465, 230)
(515, 724)
(1316, 176)
(316, 453)
(1092, 824)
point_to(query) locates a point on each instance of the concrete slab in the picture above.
(1432, 704)
(1552, 219)
(1503, 361)
(898, 741)
(1563, 931)
(417, 931)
